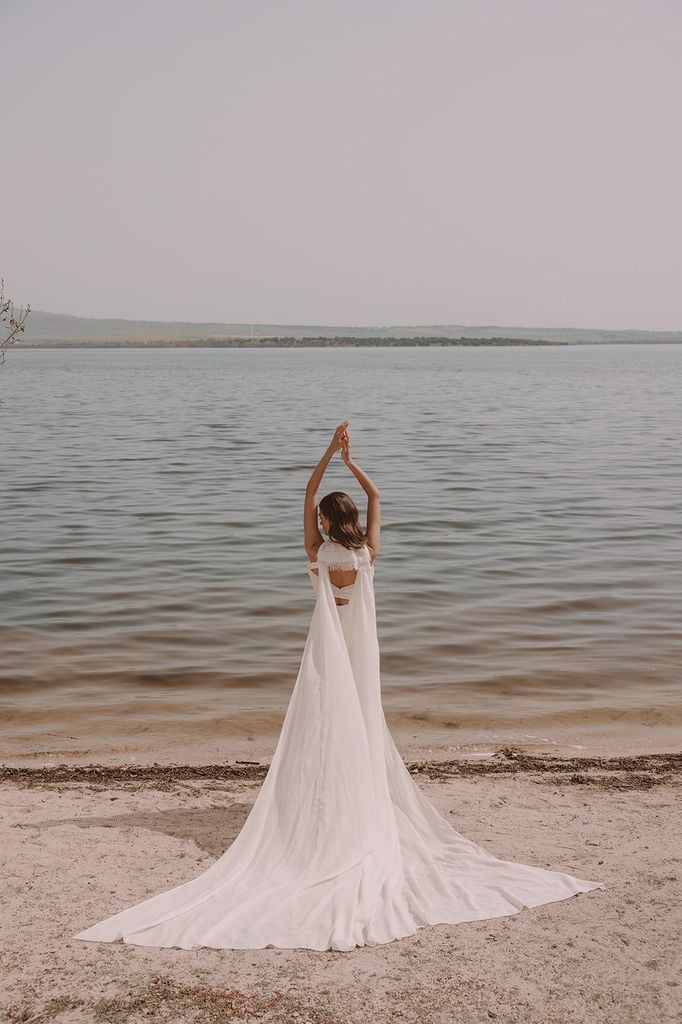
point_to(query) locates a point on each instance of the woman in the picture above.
(341, 848)
(339, 518)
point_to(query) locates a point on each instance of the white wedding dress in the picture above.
(341, 848)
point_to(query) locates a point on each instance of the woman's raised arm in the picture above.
(311, 532)
(373, 499)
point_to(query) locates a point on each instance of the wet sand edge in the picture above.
(635, 772)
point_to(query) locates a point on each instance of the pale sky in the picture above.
(350, 162)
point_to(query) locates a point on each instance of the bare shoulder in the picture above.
(312, 549)
(373, 552)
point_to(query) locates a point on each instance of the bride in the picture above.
(341, 848)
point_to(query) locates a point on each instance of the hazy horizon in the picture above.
(345, 164)
(328, 326)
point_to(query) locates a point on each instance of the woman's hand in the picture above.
(345, 449)
(340, 435)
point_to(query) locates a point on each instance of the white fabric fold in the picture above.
(341, 848)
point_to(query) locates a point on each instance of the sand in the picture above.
(209, 728)
(81, 842)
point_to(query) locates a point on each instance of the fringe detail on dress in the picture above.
(342, 567)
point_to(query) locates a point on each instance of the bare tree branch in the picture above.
(12, 325)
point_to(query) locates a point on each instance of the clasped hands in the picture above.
(341, 441)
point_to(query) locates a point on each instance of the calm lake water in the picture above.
(532, 519)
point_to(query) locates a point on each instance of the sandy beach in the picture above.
(340, 378)
(82, 841)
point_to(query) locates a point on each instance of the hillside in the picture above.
(45, 328)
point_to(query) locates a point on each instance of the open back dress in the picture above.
(341, 848)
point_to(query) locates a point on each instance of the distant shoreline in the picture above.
(270, 343)
(45, 328)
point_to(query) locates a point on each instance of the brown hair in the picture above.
(344, 519)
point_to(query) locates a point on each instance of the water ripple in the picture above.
(531, 507)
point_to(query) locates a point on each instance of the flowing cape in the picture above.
(341, 848)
